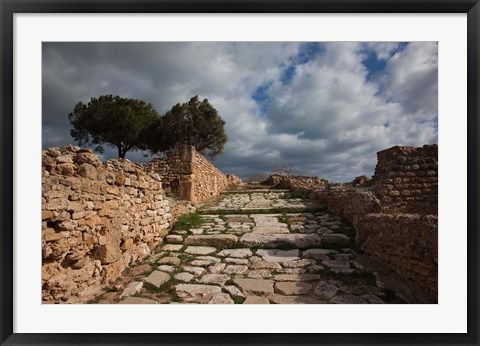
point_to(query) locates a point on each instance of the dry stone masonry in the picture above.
(99, 218)
(188, 175)
(395, 216)
(295, 181)
(406, 179)
(107, 233)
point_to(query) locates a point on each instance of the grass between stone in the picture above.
(230, 282)
(164, 288)
(187, 221)
(298, 193)
(278, 210)
(238, 300)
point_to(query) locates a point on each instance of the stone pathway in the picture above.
(255, 246)
(254, 200)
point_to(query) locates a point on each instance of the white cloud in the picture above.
(383, 50)
(328, 120)
(411, 77)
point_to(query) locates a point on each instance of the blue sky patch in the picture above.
(260, 95)
(373, 65)
(308, 51)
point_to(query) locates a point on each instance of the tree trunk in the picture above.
(121, 152)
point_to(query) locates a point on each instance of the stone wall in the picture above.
(351, 203)
(396, 216)
(188, 175)
(171, 167)
(406, 179)
(209, 181)
(406, 244)
(97, 218)
(295, 181)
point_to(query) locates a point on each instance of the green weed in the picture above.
(187, 221)
(238, 300)
(298, 192)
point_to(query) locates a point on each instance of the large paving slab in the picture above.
(255, 285)
(221, 298)
(256, 300)
(212, 239)
(274, 255)
(300, 241)
(273, 229)
(200, 250)
(293, 288)
(194, 291)
(131, 289)
(236, 253)
(157, 278)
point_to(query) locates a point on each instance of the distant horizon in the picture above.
(326, 109)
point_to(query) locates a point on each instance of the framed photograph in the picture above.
(314, 162)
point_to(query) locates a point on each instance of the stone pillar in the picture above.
(187, 154)
(186, 187)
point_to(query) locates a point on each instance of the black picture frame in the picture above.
(9, 7)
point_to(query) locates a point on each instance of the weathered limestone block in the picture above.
(112, 271)
(277, 240)
(108, 250)
(214, 239)
(88, 171)
(66, 169)
(87, 157)
(186, 187)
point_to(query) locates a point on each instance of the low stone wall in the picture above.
(188, 175)
(97, 218)
(295, 181)
(351, 203)
(171, 167)
(404, 243)
(208, 180)
(396, 226)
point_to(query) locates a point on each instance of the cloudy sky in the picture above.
(324, 108)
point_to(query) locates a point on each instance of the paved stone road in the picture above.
(255, 246)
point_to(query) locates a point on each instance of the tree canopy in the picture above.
(120, 123)
(129, 124)
(195, 123)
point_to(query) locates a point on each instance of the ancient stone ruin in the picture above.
(295, 181)
(119, 232)
(98, 218)
(396, 215)
(188, 175)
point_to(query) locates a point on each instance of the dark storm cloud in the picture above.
(317, 107)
